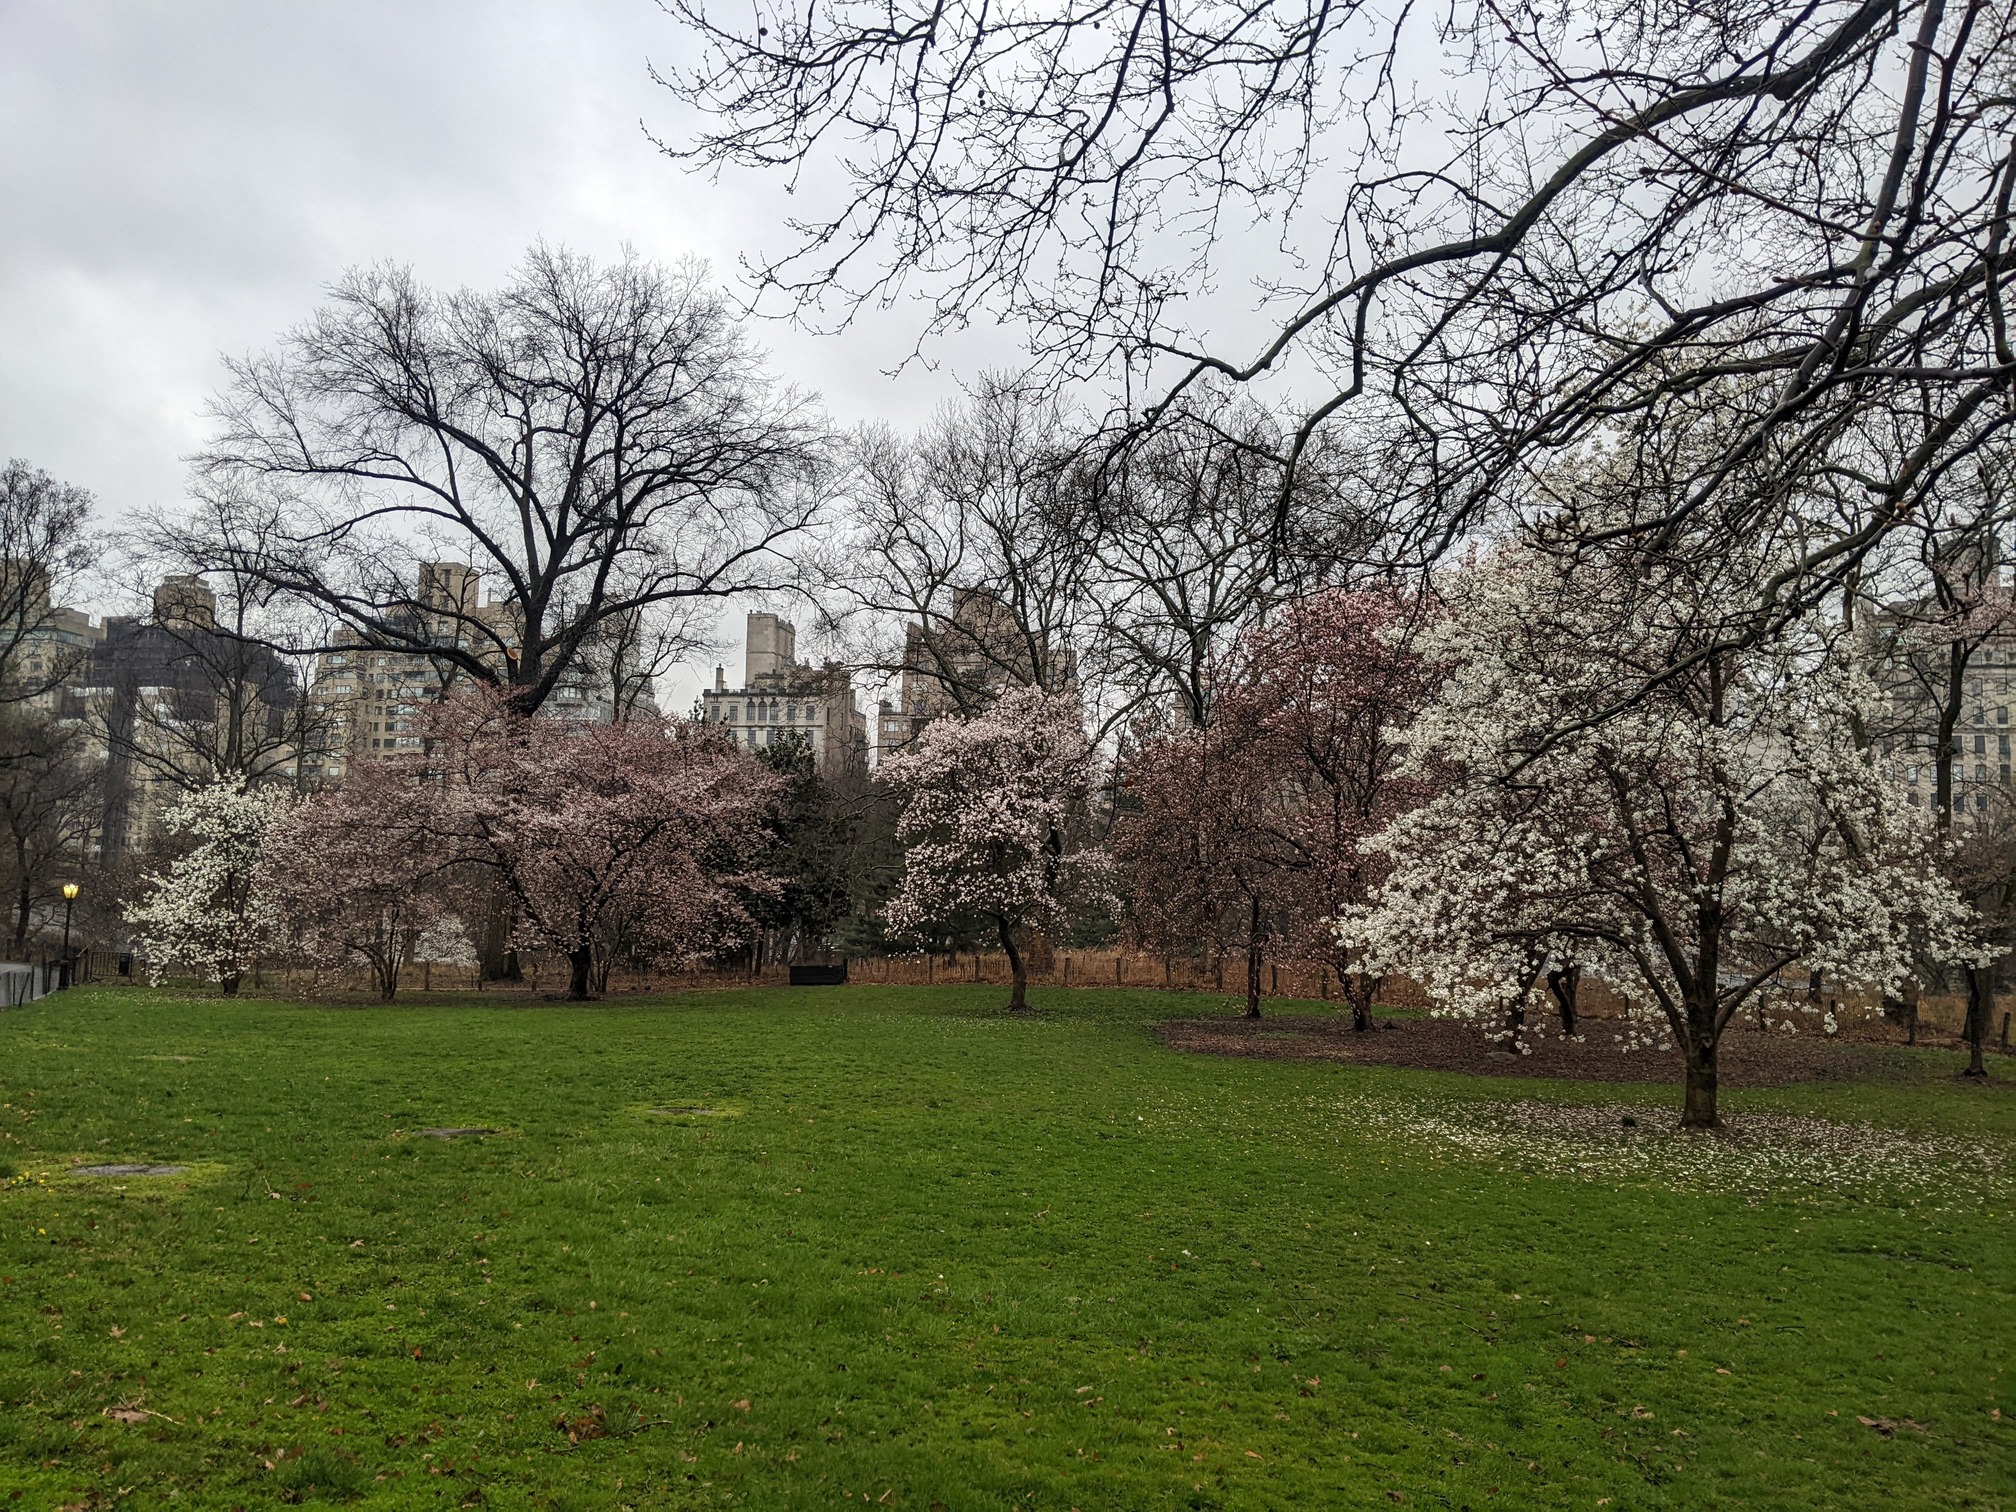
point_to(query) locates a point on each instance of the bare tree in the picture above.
(602, 444)
(1186, 551)
(1484, 236)
(48, 812)
(971, 551)
(42, 543)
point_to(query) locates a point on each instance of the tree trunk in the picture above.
(1254, 941)
(1565, 984)
(1018, 969)
(1515, 1017)
(1912, 991)
(580, 974)
(228, 983)
(1699, 1111)
(498, 961)
(1980, 1010)
(1363, 991)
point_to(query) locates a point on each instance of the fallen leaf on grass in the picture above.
(1888, 1426)
(581, 1429)
(137, 1415)
(741, 1406)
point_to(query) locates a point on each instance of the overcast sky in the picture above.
(181, 178)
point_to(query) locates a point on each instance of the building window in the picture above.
(1913, 797)
(1980, 745)
(1980, 800)
(1911, 775)
(1980, 772)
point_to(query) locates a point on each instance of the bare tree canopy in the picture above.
(971, 543)
(42, 543)
(1495, 232)
(603, 444)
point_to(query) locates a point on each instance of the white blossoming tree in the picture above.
(205, 912)
(987, 804)
(1686, 844)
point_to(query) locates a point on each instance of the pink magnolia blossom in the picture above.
(634, 838)
(365, 873)
(986, 825)
(1254, 829)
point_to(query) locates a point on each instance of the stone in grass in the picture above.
(131, 1170)
(453, 1133)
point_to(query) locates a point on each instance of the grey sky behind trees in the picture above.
(182, 178)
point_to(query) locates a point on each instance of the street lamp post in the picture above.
(69, 902)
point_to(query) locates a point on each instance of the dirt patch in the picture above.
(1749, 1058)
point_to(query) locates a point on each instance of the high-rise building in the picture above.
(781, 697)
(1917, 682)
(369, 698)
(962, 662)
(164, 700)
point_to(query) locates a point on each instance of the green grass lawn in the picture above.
(923, 1255)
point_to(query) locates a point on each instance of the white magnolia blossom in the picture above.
(204, 912)
(1684, 848)
(445, 942)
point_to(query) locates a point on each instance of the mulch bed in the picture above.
(1748, 1058)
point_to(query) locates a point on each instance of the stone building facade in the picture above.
(780, 695)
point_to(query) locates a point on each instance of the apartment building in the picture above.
(961, 663)
(1915, 686)
(781, 696)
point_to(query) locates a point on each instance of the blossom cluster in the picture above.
(1684, 818)
(988, 805)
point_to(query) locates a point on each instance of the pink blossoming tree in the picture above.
(636, 838)
(1254, 829)
(365, 872)
(987, 824)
